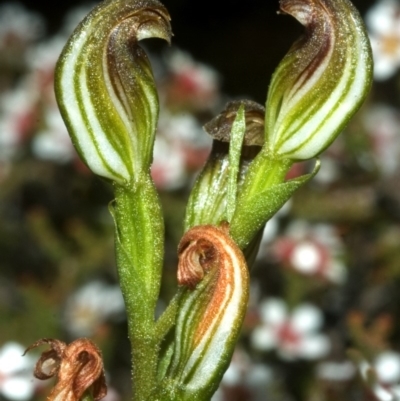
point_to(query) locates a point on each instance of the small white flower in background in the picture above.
(183, 127)
(312, 250)
(19, 116)
(16, 373)
(383, 22)
(329, 171)
(168, 169)
(44, 55)
(18, 113)
(383, 375)
(243, 375)
(271, 230)
(333, 371)
(18, 27)
(53, 143)
(33, 104)
(382, 123)
(181, 147)
(191, 85)
(294, 334)
(91, 306)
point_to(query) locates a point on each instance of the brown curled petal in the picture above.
(78, 366)
(210, 249)
(92, 372)
(56, 345)
(196, 257)
(81, 368)
(220, 127)
(48, 364)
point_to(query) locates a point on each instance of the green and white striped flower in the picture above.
(105, 87)
(210, 315)
(321, 82)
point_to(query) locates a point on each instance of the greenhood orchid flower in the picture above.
(316, 89)
(105, 87)
(321, 82)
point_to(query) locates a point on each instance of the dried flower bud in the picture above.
(207, 203)
(211, 310)
(321, 82)
(78, 367)
(105, 87)
(220, 127)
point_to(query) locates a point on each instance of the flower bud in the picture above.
(208, 199)
(321, 82)
(211, 312)
(105, 87)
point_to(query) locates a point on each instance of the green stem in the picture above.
(139, 252)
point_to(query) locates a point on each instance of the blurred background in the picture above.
(236, 37)
(323, 320)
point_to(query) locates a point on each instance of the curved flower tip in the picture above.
(77, 366)
(105, 87)
(211, 311)
(321, 82)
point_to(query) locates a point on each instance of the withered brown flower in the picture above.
(78, 367)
